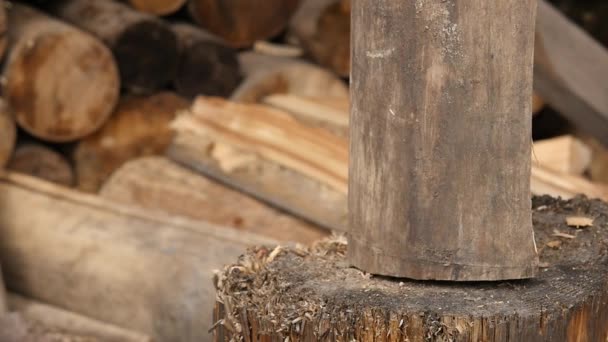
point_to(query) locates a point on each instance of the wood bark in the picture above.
(440, 139)
(136, 269)
(316, 296)
(570, 72)
(144, 46)
(242, 22)
(138, 127)
(156, 183)
(54, 318)
(8, 134)
(42, 162)
(158, 7)
(268, 75)
(322, 28)
(206, 65)
(61, 83)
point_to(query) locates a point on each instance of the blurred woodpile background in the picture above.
(175, 133)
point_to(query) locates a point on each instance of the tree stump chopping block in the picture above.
(315, 296)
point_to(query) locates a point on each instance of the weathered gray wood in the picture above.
(139, 270)
(144, 46)
(440, 139)
(570, 72)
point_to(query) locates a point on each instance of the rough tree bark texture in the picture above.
(242, 22)
(206, 65)
(61, 83)
(144, 46)
(440, 139)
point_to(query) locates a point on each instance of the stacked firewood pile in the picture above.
(188, 130)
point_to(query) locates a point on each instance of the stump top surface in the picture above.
(316, 282)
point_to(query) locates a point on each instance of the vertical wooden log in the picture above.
(242, 22)
(206, 65)
(61, 83)
(441, 138)
(144, 46)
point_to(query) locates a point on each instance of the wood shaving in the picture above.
(579, 221)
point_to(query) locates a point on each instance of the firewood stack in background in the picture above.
(149, 117)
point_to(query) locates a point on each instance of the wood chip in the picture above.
(579, 221)
(555, 244)
(563, 235)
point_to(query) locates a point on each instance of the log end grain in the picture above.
(42, 162)
(139, 127)
(61, 83)
(316, 296)
(147, 55)
(207, 68)
(157, 7)
(241, 23)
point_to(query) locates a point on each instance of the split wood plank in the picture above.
(54, 318)
(152, 271)
(61, 83)
(156, 183)
(267, 75)
(272, 134)
(570, 72)
(565, 154)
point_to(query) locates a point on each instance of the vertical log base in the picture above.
(312, 295)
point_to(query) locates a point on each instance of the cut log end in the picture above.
(316, 296)
(55, 108)
(42, 162)
(147, 55)
(157, 7)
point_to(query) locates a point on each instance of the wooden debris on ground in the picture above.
(140, 270)
(579, 221)
(557, 233)
(156, 183)
(41, 161)
(61, 83)
(138, 127)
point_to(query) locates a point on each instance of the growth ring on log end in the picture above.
(312, 294)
